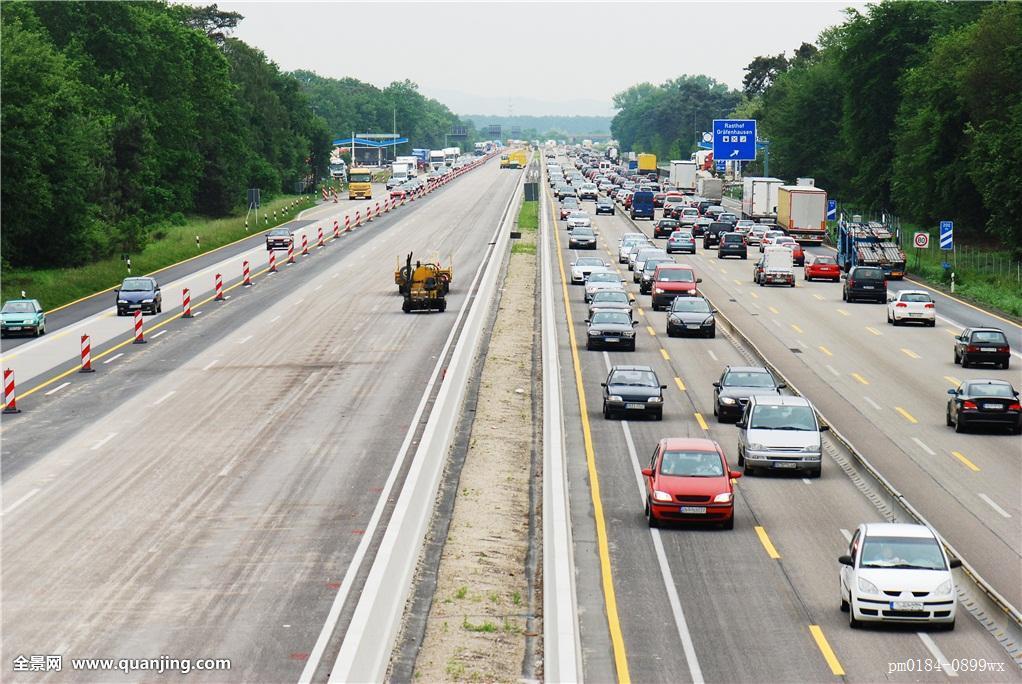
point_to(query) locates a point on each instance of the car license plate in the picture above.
(785, 464)
(693, 509)
(906, 605)
(635, 406)
(987, 349)
(995, 407)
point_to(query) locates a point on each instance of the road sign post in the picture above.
(734, 139)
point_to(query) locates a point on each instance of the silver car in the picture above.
(780, 433)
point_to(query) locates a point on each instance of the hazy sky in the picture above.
(542, 58)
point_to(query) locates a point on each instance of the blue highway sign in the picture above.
(734, 139)
(947, 235)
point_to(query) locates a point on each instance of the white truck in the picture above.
(436, 159)
(759, 197)
(709, 187)
(802, 212)
(683, 175)
(776, 267)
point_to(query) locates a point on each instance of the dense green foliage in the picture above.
(120, 116)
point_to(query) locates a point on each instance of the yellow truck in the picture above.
(360, 183)
(647, 164)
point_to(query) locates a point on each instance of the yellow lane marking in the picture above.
(680, 384)
(827, 651)
(953, 380)
(649, 329)
(767, 544)
(861, 379)
(663, 353)
(754, 295)
(906, 415)
(825, 350)
(702, 422)
(909, 352)
(968, 464)
(797, 329)
(609, 596)
(818, 296)
(843, 312)
(874, 331)
(773, 310)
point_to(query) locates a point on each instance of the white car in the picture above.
(911, 305)
(583, 266)
(601, 280)
(625, 244)
(895, 572)
(579, 219)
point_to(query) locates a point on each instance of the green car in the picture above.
(22, 316)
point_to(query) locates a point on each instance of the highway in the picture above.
(203, 495)
(760, 603)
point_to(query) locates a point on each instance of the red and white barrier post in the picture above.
(319, 244)
(273, 262)
(139, 337)
(86, 356)
(186, 303)
(10, 401)
(305, 244)
(219, 283)
(245, 273)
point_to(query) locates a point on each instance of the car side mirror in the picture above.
(648, 472)
(845, 560)
(735, 474)
(955, 563)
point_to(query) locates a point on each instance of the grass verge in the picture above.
(55, 287)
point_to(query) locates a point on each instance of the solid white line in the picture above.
(846, 534)
(162, 332)
(922, 446)
(665, 570)
(20, 501)
(873, 403)
(244, 339)
(57, 389)
(210, 364)
(113, 358)
(931, 646)
(994, 506)
(103, 441)
(832, 370)
(712, 355)
(164, 398)
(275, 319)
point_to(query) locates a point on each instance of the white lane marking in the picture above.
(922, 446)
(846, 534)
(665, 570)
(57, 389)
(275, 318)
(162, 332)
(872, 403)
(210, 364)
(113, 358)
(103, 441)
(1003, 513)
(20, 501)
(164, 398)
(244, 339)
(712, 355)
(931, 646)
(832, 370)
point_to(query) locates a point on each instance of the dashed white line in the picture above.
(20, 501)
(873, 403)
(712, 355)
(57, 389)
(210, 364)
(103, 441)
(164, 398)
(1003, 513)
(113, 358)
(833, 370)
(162, 332)
(922, 446)
(931, 646)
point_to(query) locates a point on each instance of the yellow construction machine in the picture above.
(424, 285)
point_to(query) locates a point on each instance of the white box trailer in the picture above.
(683, 174)
(759, 197)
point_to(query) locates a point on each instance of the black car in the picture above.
(633, 390)
(711, 237)
(582, 238)
(865, 282)
(737, 383)
(664, 227)
(984, 402)
(279, 238)
(982, 345)
(732, 244)
(604, 206)
(691, 316)
(648, 271)
(139, 293)
(610, 330)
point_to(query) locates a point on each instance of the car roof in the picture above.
(780, 400)
(878, 529)
(690, 443)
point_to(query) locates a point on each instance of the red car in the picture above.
(688, 480)
(823, 266)
(670, 281)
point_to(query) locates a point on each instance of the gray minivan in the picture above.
(780, 433)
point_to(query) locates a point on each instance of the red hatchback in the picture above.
(688, 480)
(823, 266)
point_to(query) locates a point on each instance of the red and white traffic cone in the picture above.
(10, 401)
(86, 356)
(305, 244)
(273, 262)
(139, 337)
(347, 223)
(337, 229)
(219, 282)
(247, 282)
(319, 244)
(291, 252)
(186, 303)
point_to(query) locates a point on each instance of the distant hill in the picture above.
(569, 125)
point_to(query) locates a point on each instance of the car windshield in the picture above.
(767, 417)
(604, 278)
(589, 261)
(989, 389)
(676, 275)
(692, 464)
(989, 337)
(611, 296)
(18, 307)
(635, 378)
(901, 552)
(824, 260)
(916, 297)
(136, 285)
(748, 379)
(616, 317)
(690, 305)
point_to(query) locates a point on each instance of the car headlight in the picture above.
(868, 587)
(723, 498)
(655, 400)
(615, 397)
(661, 496)
(728, 401)
(122, 301)
(944, 588)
